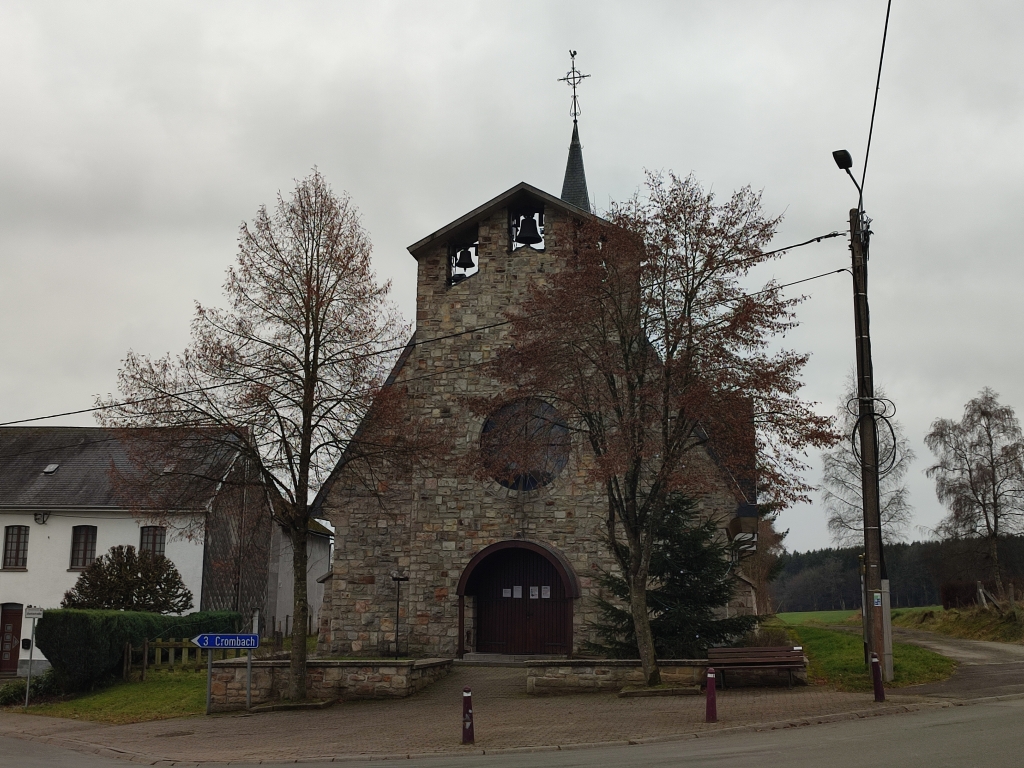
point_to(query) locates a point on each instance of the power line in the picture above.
(456, 334)
(874, 106)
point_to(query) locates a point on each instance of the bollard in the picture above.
(876, 677)
(711, 714)
(467, 716)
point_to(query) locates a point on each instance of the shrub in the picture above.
(86, 646)
(126, 580)
(45, 684)
(766, 637)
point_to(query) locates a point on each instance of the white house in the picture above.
(60, 510)
(318, 570)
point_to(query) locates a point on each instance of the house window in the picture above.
(152, 539)
(16, 546)
(83, 546)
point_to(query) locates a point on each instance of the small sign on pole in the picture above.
(211, 642)
(226, 642)
(31, 612)
(248, 661)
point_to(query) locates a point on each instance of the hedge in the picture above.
(86, 646)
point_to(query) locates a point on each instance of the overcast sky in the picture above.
(136, 137)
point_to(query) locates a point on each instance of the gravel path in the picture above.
(986, 668)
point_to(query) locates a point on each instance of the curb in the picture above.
(860, 714)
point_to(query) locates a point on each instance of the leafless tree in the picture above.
(765, 564)
(842, 494)
(649, 344)
(283, 376)
(979, 473)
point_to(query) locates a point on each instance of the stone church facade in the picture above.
(490, 568)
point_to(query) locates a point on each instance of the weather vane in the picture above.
(573, 77)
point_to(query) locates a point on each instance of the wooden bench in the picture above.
(785, 657)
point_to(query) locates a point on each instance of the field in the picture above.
(817, 617)
(969, 623)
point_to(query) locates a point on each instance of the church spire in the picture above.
(574, 187)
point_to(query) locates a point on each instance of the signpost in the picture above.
(248, 661)
(210, 642)
(31, 612)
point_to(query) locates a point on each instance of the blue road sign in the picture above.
(226, 641)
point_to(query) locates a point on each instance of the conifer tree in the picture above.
(692, 579)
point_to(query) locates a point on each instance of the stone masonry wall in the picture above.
(325, 680)
(589, 676)
(433, 522)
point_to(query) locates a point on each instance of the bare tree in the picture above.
(766, 563)
(842, 494)
(979, 473)
(282, 378)
(648, 344)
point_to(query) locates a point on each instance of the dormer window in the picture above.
(526, 227)
(463, 258)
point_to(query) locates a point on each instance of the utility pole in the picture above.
(876, 607)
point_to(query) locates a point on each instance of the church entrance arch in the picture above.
(523, 595)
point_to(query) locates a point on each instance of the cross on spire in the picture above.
(573, 77)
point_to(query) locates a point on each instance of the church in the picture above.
(455, 563)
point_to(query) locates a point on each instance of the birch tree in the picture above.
(842, 495)
(979, 473)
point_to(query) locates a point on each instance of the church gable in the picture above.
(446, 515)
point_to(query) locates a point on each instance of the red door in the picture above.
(521, 605)
(10, 638)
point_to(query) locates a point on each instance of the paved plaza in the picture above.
(430, 722)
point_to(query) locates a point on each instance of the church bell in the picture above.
(465, 260)
(528, 233)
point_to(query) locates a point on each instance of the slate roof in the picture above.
(574, 187)
(83, 478)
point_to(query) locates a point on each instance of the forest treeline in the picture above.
(829, 579)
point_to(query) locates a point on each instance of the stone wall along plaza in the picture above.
(325, 680)
(597, 676)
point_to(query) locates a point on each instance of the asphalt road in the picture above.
(974, 736)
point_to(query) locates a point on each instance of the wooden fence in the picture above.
(171, 654)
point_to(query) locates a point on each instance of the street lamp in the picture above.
(398, 587)
(845, 162)
(878, 632)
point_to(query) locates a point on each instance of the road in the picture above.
(980, 735)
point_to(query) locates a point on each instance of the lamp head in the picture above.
(843, 159)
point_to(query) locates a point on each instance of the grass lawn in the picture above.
(817, 617)
(163, 695)
(837, 658)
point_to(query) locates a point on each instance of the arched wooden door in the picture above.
(522, 605)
